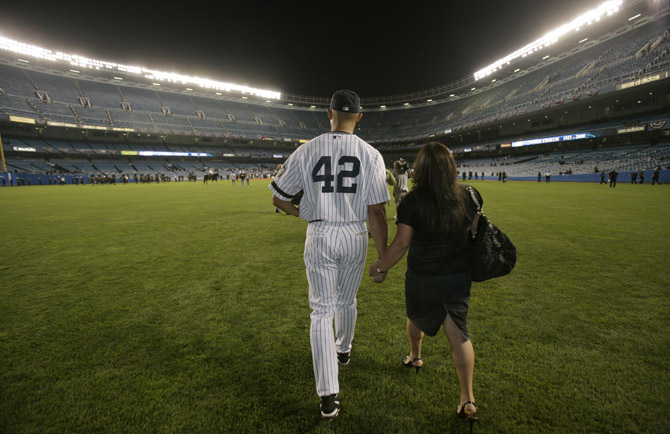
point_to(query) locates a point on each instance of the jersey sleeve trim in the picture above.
(276, 188)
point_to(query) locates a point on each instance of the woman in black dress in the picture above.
(434, 222)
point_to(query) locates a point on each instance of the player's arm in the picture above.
(284, 185)
(378, 226)
(286, 206)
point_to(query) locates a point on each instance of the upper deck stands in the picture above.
(76, 100)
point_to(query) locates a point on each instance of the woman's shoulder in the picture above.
(412, 195)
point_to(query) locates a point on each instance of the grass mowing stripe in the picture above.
(183, 307)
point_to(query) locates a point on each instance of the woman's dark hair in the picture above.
(435, 179)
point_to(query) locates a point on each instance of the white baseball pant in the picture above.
(334, 262)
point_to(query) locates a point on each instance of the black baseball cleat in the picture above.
(330, 406)
(343, 358)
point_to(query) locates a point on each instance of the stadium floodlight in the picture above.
(75, 61)
(609, 7)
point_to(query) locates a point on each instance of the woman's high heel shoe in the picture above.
(470, 417)
(408, 362)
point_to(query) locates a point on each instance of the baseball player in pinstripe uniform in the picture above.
(343, 180)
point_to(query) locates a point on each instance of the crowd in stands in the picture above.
(48, 97)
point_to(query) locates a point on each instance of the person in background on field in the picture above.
(390, 180)
(613, 176)
(656, 176)
(602, 177)
(434, 223)
(641, 177)
(401, 187)
(633, 178)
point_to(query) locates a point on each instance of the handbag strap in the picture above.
(474, 198)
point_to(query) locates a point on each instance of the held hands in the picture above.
(378, 277)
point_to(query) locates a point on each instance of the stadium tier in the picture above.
(614, 85)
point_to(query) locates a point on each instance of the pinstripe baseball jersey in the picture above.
(340, 175)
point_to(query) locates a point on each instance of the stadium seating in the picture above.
(578, 162)
(573, 76)
(77, 100)
(626, 159)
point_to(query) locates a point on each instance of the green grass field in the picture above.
(183, 308)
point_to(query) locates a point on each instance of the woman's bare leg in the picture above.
(414, 337)
(464, 360)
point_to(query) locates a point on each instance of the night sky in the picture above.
(299, 47)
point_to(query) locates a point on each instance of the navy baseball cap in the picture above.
(345, 101)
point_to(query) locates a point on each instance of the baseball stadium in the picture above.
(149, 284)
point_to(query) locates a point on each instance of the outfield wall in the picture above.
(624, 177)
(37, 179)
(40, 179)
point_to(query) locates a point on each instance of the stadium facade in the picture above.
(599, 99)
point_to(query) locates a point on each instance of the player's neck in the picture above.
(342, 128)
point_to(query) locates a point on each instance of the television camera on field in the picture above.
(401, 166)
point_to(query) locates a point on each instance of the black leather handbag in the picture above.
(494, 254)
